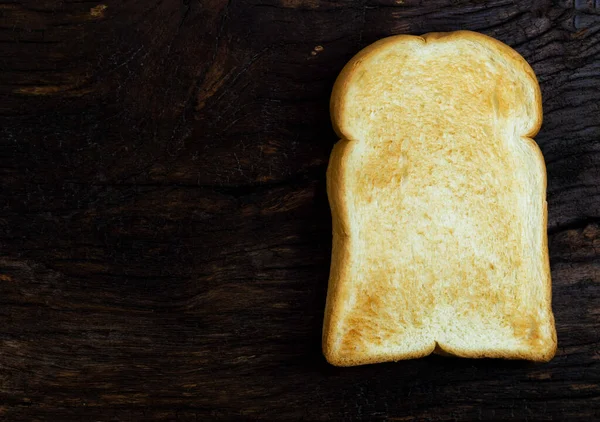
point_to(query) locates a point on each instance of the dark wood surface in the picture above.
(165, 232)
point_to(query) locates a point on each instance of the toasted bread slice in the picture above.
(437, 194)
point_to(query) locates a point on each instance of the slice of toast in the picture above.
(437, 194)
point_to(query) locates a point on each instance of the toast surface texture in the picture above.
(438, 200)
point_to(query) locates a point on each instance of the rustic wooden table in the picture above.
(165, 232)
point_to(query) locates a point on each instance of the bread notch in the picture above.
(437, 194)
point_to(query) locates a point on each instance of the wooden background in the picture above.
(165, 232)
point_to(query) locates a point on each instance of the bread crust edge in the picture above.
(339, 210)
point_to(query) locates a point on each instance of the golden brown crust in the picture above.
(335, 187)
(340, 213)
(343, 79)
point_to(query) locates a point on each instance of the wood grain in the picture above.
(165, 232)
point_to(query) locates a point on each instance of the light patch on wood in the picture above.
(98, 11)
(300, 4)
(592, 231)
(579, 387)
(52, 89)
(541, 376)
(5, 277)
(317, 50)
(214, 79)
(42, 90)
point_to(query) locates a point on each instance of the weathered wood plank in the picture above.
(165, 232)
